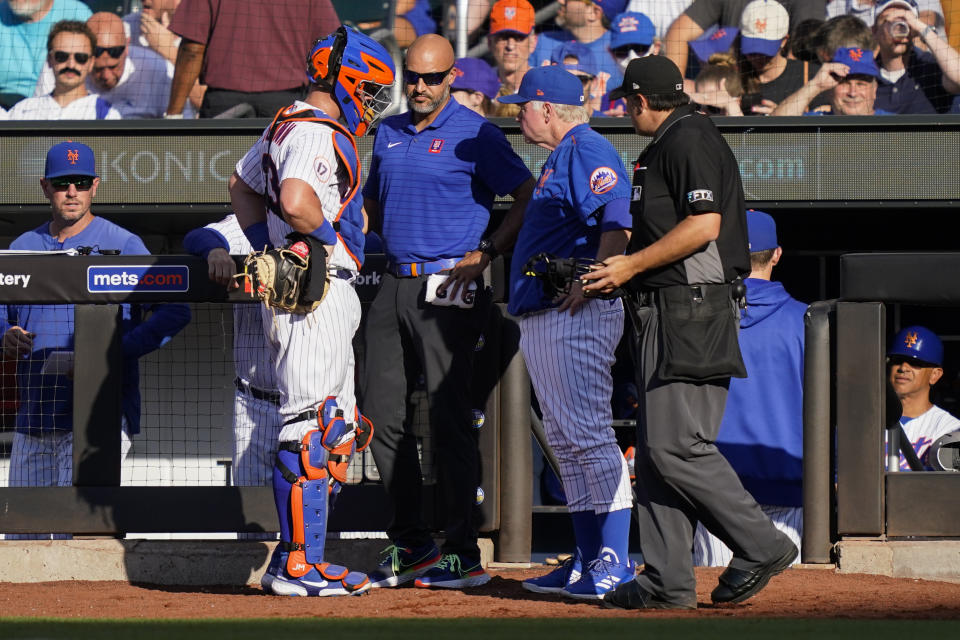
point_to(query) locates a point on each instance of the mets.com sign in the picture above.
(141, 279)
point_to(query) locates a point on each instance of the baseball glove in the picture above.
(557, 275)
(292, 278)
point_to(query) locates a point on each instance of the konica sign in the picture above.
(144, 279)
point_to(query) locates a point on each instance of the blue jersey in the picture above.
(46, 399)
(583, 191)
(762, 430)
(436, 187)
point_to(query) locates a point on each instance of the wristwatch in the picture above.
(486, 246)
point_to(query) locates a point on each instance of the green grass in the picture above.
(474, 629)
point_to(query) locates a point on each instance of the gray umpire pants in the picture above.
(683, 478)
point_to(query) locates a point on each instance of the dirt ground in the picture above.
(797, 593)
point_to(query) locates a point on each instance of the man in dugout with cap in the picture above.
(687, 255)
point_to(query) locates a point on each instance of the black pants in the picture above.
(265, 103)
(683, 478)
(404, 335)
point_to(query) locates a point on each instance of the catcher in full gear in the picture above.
(295, 196)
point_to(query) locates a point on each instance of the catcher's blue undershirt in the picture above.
(436, 187)
(574, 202)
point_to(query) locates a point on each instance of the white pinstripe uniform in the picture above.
(709, 551)
(256, 421)
(313, 353)
(569, 360)
(924, 430)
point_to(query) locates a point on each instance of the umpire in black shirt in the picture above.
(687, 254)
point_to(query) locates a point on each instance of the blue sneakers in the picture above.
(277, 561)
(558, 579)
(322, 580)
(601, 577)
(454, 572)
(403, 564)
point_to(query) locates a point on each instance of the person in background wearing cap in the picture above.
(587, 22)
(912, 80)
(632, 35)
(762, 430)
(688, 251)
(767, 74)
(930, 11)
(915, 359)
(851, 78)
(579, 60)
(512, 42)
(435, 173)
(42, 453)
(580, 209)
(703, 14)
(70, 50)
(475, 85)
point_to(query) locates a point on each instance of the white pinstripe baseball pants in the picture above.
(709, 551)
(569, 360)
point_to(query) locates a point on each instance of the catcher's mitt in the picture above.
(292, 278)
(557, 275)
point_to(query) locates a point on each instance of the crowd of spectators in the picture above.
(207, 58)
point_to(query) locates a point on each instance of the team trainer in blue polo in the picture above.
(580, 209)
(434, 176)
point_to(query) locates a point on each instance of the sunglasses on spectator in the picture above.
(622, 52)
(62, 183)
(431, 79)
(62, 56)
(113, 52)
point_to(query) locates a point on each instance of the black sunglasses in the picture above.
(62, 56)
(432, 79)
(624, 51)
(62, 183)
(113, 52)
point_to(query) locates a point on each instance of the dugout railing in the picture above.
(97, 504)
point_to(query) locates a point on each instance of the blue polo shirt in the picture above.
(582, 192)
(436, 187)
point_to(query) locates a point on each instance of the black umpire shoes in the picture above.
(736, 585)
(631, 595)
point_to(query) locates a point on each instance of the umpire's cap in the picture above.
(919, 344)
(70, 159)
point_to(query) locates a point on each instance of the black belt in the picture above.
(309, 414)
(273, 397)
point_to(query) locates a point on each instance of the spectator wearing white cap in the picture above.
(475, 85)
(929, 11)
(703, 14)
(768, 76)
(913, 80)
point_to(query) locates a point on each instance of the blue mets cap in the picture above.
(70, 159)
(473, 74)
(631, 27)
(859, 60)
(585, 61)
(548, 84)
(761, 231)
(918, 343)
(715, 40)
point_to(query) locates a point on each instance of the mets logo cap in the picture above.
(716, 40)
(763, 26)
(70, 159)
(631, 28)
(860, 61)
(652, 75)
(548, 84)
(473, 74)
(512, 15)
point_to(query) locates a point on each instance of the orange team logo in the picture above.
(910, 340)
(602, 180)
(543, 179)
(539, 92)
(719, 33)
(856, 54)
(73, 155)
(458, 72)
(760, 26)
